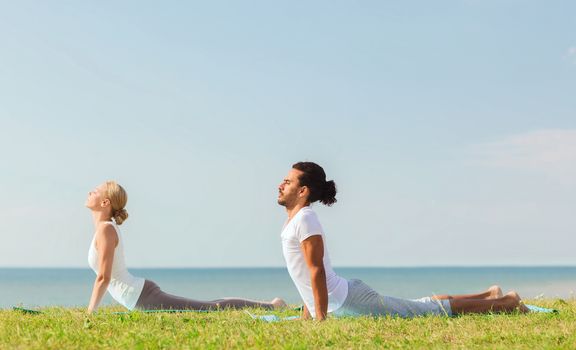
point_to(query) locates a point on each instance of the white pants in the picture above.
(363, 300)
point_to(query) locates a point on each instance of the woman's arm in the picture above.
(313, 249)
(106, 242)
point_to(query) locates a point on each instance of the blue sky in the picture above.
(449, 128)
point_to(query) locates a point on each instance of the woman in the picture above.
(106, 257)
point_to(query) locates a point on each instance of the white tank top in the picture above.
(123, 287)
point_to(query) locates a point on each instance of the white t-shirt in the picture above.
(303, 225)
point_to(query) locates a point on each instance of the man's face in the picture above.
(289, 190)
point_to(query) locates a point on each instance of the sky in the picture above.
(449, 128)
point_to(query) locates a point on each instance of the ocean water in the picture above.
(72, 287)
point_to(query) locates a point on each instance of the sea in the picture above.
(41, 287)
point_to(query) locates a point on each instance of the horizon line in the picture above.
(284, 267)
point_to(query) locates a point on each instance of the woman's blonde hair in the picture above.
(118, 199)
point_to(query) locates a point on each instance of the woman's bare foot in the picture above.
(278, 303)
(495, 292)
(519, 304)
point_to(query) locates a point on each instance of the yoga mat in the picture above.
(170, 311)
(534, 308)
(26, 311)
(267, 318)
(271, 318)
(274, 318)
(35, 312)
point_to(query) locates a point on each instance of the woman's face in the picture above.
(96, 198)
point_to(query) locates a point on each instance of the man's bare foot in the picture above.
(519, 304)
(495, 292)
(278, 303)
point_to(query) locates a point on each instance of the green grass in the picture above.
(65, 328)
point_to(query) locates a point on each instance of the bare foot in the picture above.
(495, 292)
(523, 308)
(278, 303)
(520, 305)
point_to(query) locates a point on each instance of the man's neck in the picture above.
(295, 209)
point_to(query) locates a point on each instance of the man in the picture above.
(323, 291)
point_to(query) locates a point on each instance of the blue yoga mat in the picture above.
(271, 318)
(274, 318)
(534, 308)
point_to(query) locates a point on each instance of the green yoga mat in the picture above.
(26, 311)
(35, 312)
(170, 311)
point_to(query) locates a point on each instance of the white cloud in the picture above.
(571, 54)
(550, 152)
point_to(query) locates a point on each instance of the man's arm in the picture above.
(313, 249)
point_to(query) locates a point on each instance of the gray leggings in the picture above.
(153, 298)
